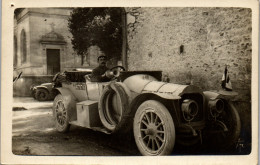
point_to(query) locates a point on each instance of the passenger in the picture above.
(99, 73)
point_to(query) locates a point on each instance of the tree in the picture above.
(96, 26)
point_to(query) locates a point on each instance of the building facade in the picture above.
(42, 47)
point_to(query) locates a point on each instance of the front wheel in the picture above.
(154, 130)
(60, 114)
(41, 94)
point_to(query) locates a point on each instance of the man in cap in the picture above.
(99, 73)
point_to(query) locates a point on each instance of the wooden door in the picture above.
(53, 61)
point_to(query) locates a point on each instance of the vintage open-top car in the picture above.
(43, 92)
(160, 114)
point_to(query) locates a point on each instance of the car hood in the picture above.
(144, 84)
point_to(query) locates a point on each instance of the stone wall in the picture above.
(210, 38)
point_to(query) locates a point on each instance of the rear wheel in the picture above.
(154, 130)
(60, 114)
(42, 94)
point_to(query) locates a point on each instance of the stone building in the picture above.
(42, 47)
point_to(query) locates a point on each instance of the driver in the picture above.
(99, 73)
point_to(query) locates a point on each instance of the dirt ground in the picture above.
(33, 133)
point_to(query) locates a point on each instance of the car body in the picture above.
(43, 92)
(160, 114)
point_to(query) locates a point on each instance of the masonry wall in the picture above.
(211, 38)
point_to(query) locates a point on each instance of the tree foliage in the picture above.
(96, 26)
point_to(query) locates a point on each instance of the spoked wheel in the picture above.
(42, 94)
(154, 130)
(219, 139)
(60, 114)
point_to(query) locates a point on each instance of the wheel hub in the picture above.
(151, 130)
(60, 113)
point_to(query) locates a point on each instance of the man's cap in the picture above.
(101, 57)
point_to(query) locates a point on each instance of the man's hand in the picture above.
(109, 74)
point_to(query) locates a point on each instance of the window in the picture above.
(23, 46)
(15, 51)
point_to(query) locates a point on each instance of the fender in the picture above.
(42, 87)
(227, 95)
(139, 99)
(71, 101)
(46, 86)
(166, 96)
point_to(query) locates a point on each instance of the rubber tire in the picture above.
(39, 92)
(125, 110)
(66, 126)
(104, 117)
(232, 137)
(163, 112)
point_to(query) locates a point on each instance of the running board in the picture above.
(99, 129)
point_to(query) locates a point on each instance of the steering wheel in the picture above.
(115, 71)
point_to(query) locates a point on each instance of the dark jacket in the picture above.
(97, 73)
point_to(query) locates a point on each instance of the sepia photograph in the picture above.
(125, 82)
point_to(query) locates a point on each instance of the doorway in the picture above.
(53, 61)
